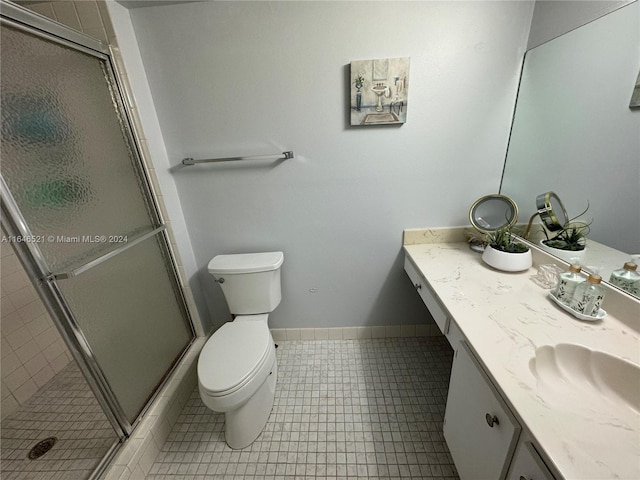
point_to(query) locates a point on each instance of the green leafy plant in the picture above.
(359, 81)
(572, 237)
(503, 239)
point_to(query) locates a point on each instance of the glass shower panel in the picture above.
(129, 312)
(66, 156)
(70, 163)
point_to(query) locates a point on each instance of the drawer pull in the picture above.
(418, 286)
(491, 420)
(522, 477)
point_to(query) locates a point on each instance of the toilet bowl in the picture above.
(237, 374)
(237, 368)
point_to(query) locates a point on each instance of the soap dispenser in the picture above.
(588, 296)
(627, 278)
(568, 282)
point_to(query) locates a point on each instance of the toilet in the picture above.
(237, 369)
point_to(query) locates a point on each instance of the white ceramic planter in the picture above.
(507, 262)
(565, 255)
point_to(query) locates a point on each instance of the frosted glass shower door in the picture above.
(133, 318)
(72, 170)
(65, 154)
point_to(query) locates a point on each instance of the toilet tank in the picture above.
(250, 281)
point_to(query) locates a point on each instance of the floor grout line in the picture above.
(64, 408)
(343, 409)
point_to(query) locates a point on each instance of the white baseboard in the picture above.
(355, 333)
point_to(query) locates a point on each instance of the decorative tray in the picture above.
(581, 316)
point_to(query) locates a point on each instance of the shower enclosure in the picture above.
(79, 210)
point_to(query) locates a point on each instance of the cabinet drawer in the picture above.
(480, 430)
(424, 290)
(527, 464)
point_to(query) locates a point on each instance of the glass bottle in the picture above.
(567, 284)
(627, 278)
(588, 296)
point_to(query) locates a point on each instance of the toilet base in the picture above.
(244, 424)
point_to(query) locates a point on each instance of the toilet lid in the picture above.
(245, 263)
(231, 356)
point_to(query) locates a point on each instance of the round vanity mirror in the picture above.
(491, 212)
(551, 211)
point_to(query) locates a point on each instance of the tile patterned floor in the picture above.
(65, 408)
(366, 409)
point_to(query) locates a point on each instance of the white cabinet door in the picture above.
(527, 464)
(424, 290)
(479, 428)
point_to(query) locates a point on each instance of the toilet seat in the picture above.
(260, 317)
(232, 357)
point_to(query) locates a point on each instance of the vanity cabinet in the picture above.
(484, 437)
(527, 464)
(421, 285)
(479, 428)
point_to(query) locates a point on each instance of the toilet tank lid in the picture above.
(246, 262)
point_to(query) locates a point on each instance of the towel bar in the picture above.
(282, 156)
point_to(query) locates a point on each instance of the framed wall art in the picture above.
(379, 91)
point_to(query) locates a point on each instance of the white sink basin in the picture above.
(569, 372)
(379, 91)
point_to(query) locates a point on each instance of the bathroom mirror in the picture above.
(574, 133)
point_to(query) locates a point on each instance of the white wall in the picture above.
(231, 78)
(554, 18)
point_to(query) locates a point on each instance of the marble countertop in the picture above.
(505, 318)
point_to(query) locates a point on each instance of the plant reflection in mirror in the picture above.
(572, 236)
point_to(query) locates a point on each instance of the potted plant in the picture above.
(359, 83)
(504, 253)
(569, 242)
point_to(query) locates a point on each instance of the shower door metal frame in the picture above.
(44, 280)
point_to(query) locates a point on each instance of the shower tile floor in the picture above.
(367, 409)
(64, 408)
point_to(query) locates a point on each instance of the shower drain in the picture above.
(42, 447)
